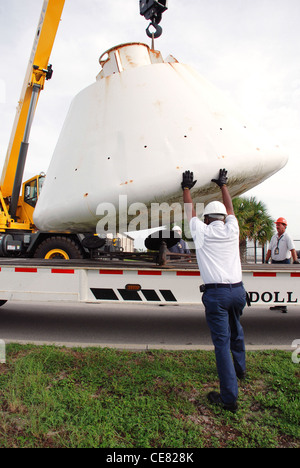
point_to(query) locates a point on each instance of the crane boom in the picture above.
(37, 72)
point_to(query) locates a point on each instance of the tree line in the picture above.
(255, 223)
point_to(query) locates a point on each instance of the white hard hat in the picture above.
(215, 208)
(177, 228)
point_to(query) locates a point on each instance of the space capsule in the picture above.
(132, 133)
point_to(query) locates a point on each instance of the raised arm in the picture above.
(188, 182)
(227, 200)
(221, 182)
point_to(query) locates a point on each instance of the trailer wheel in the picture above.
(58, 248)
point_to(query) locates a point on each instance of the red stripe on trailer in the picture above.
(269, 275)
(149, 272)
(66, 272)
(25, 270)
(295, 275)
(188, 273)
(111, 272)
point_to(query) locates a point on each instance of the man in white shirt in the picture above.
(217, 249)
(281, 247)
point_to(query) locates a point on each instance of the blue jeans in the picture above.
(223, 308)
(287, 261)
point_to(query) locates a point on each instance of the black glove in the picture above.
(223, 179)
(188, 180)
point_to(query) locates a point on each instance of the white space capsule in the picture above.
(136, 129)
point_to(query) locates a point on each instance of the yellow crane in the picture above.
(18, 234)
(16, 211)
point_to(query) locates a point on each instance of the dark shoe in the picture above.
(283, 309)
(241, 375)
(215, 399)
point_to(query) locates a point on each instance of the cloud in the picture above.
(2, 91)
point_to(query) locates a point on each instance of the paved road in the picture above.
(138, 327)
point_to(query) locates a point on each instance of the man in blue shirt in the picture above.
(181, 246)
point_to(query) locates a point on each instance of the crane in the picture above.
(16, 212)
(18, 234)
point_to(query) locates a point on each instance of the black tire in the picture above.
(59, 247)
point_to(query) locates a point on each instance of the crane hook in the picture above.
(157, 33)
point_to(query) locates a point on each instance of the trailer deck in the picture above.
(135, 281)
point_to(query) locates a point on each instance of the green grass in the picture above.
(60, 397)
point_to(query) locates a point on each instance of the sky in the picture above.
(249, 49)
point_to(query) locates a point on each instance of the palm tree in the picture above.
(254, 221)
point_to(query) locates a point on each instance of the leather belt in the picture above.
(223, 285)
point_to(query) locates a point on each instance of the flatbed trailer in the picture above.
(135, 281)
